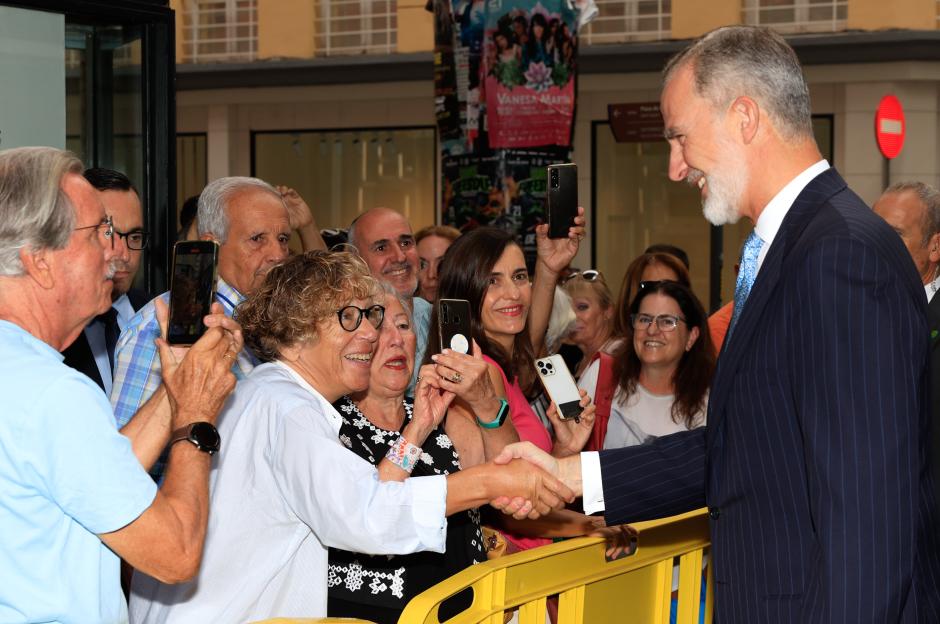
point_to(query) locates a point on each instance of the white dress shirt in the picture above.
(931, 288)
(94, 334)
(283, 490)
(767, 226)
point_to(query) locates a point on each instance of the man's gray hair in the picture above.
(753, 61)
(35, 212)
(930, 198)
(212, 216)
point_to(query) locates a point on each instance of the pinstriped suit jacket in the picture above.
(814, 461)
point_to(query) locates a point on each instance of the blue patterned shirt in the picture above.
(137, 361)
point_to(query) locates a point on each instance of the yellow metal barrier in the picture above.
(636, 588)
(328, 620)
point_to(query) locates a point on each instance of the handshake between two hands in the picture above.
(551, 483)
(533, 481)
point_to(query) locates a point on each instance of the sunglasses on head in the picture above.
(590, 275)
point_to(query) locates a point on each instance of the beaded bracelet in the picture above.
(404, 454)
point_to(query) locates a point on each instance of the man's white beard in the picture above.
(725, 191)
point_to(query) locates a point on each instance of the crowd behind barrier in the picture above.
(811, 431)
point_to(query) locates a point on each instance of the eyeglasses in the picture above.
(135, 240)
(590, 275)
(665, 322)
(350, 317)
(108, 231)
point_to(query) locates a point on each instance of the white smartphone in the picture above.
(560, 386)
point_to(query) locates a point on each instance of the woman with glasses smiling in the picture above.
(660, 374)
(284, 487)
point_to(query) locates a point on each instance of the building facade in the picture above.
(337, 100)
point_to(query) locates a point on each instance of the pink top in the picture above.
(530, 429)
(523, 418)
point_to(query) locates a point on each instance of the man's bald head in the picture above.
(385, 241)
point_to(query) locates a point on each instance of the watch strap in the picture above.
(194, 432)
(500, 416)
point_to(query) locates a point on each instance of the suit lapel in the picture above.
(806, 206)
(138, 298)
(78, 355)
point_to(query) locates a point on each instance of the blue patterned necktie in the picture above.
(747, 272)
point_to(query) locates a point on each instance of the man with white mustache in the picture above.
(385, 241)
(92, 353)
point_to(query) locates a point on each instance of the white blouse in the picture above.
(283, 490)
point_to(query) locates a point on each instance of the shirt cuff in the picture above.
(428, 510)
(591, 485)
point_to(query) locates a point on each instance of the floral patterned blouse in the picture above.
(377, 588)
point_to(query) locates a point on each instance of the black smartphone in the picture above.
(192, 289)
(561, 200)
(453, 324)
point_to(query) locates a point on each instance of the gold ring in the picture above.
(228, 356)
(457, 378)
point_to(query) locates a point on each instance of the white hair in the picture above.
(35, 213)
(212, 216)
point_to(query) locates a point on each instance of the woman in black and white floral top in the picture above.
(377, 588)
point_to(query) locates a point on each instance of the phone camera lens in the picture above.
(549, 365)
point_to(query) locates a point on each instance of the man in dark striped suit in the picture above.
(814, 461)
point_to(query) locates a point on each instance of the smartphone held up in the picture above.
(453, 324)
(560, 386)
(192, 289)
(561, 199)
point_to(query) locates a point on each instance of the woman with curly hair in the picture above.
(285, 488)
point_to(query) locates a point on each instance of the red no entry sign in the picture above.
(890, 126)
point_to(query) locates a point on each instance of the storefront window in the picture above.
(343, 173)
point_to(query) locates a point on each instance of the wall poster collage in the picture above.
(504, 99)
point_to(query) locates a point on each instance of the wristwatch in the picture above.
(203, 435)
(500, 416)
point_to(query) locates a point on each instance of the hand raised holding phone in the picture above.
(199, 378)
(192, 288)
(571, 411)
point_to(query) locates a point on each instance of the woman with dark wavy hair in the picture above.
(508, 323)
(661, 373)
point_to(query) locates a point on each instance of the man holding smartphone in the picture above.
(74, 494)
(249, 220)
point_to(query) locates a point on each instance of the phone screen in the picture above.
(191, 290)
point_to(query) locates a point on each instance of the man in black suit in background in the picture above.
(913, 210)
(92, 353)
(814, 460)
